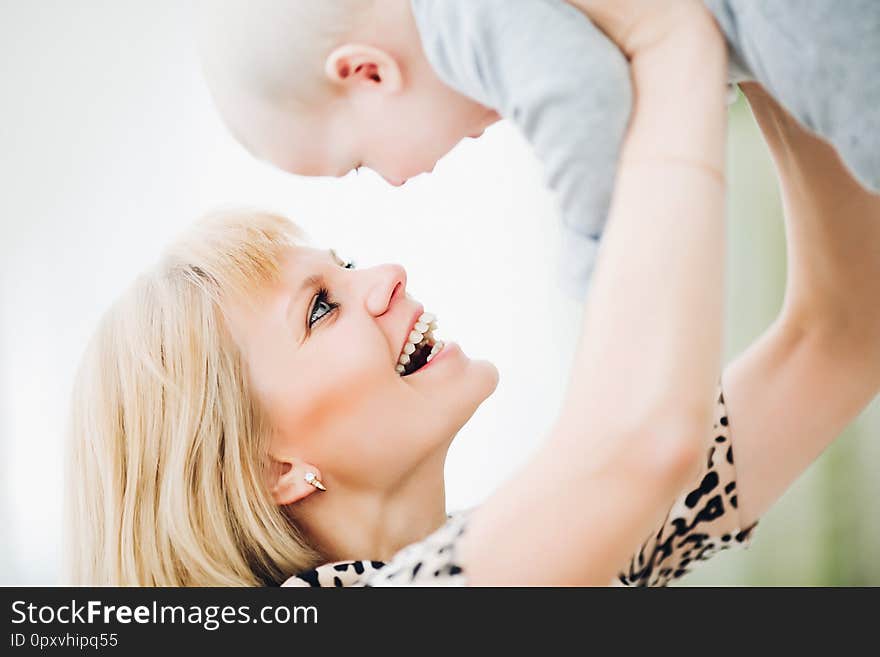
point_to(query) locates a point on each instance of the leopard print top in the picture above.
(697, 526)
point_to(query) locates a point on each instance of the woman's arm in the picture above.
(818, 365)
(640, 397)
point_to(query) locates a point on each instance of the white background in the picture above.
(110, 147)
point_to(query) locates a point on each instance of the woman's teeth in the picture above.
(421, 346)
(435, 349)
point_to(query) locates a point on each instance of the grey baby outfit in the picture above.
(543, 65)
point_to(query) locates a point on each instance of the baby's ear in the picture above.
(359, 66)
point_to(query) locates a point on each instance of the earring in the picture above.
(314, 481)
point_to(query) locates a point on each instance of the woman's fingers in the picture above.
(636, 26)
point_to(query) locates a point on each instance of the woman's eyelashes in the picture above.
(321, 307)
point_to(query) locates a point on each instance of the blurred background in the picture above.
(110, 146)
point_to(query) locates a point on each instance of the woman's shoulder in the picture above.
(335, 574)
(432, 561)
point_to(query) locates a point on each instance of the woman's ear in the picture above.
(291, 481)
(360, 66)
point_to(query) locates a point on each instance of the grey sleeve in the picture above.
(821, 60)
(543, 65)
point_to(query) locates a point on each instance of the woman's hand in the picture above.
(676, 50)
(638, 26)
(639, 403)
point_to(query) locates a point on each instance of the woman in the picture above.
(240, 416)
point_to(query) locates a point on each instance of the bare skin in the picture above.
(632, 430)
(639, 401)
(820, 361)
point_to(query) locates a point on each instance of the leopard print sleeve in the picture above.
(701, 522)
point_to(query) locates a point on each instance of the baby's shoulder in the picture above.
(495, 54)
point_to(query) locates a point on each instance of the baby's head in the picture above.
(320, 88)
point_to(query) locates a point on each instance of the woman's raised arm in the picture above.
(639, 402)
(793, 391)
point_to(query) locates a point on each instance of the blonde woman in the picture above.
(254, 411)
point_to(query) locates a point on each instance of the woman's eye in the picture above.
(320, 307)
(348, 264)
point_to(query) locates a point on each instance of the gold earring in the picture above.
(314, 481)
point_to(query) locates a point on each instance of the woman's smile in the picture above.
(448, 350)
(420, 344)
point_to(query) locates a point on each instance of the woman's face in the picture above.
(322, 346)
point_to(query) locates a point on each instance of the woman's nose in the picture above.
(387, 285)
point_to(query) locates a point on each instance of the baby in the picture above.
(321, 88)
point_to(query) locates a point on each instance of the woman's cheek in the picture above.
(358, 363)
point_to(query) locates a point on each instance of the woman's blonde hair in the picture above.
(167, 481)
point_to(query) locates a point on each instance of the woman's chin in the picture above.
(477, 383)
(488, 373)
(478, 377)
(455, 383)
